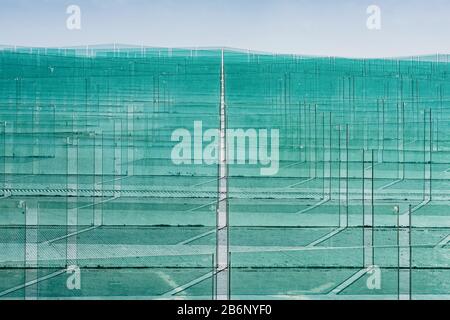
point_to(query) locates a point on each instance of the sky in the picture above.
(313, 27)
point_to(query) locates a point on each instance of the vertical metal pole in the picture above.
(117, 156)
(330, 158)
(98, 175)
(404, 256)
(130, 140)
(31, 248)
(346, 175)
(222, 263)
(339, 176)
(72, 201)
(363, 203)
(368, 222)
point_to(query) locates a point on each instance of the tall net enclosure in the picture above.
(149, 173)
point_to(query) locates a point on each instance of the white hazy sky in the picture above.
(317, 27)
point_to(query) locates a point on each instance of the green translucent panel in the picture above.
(88, 179)
(358, 139)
